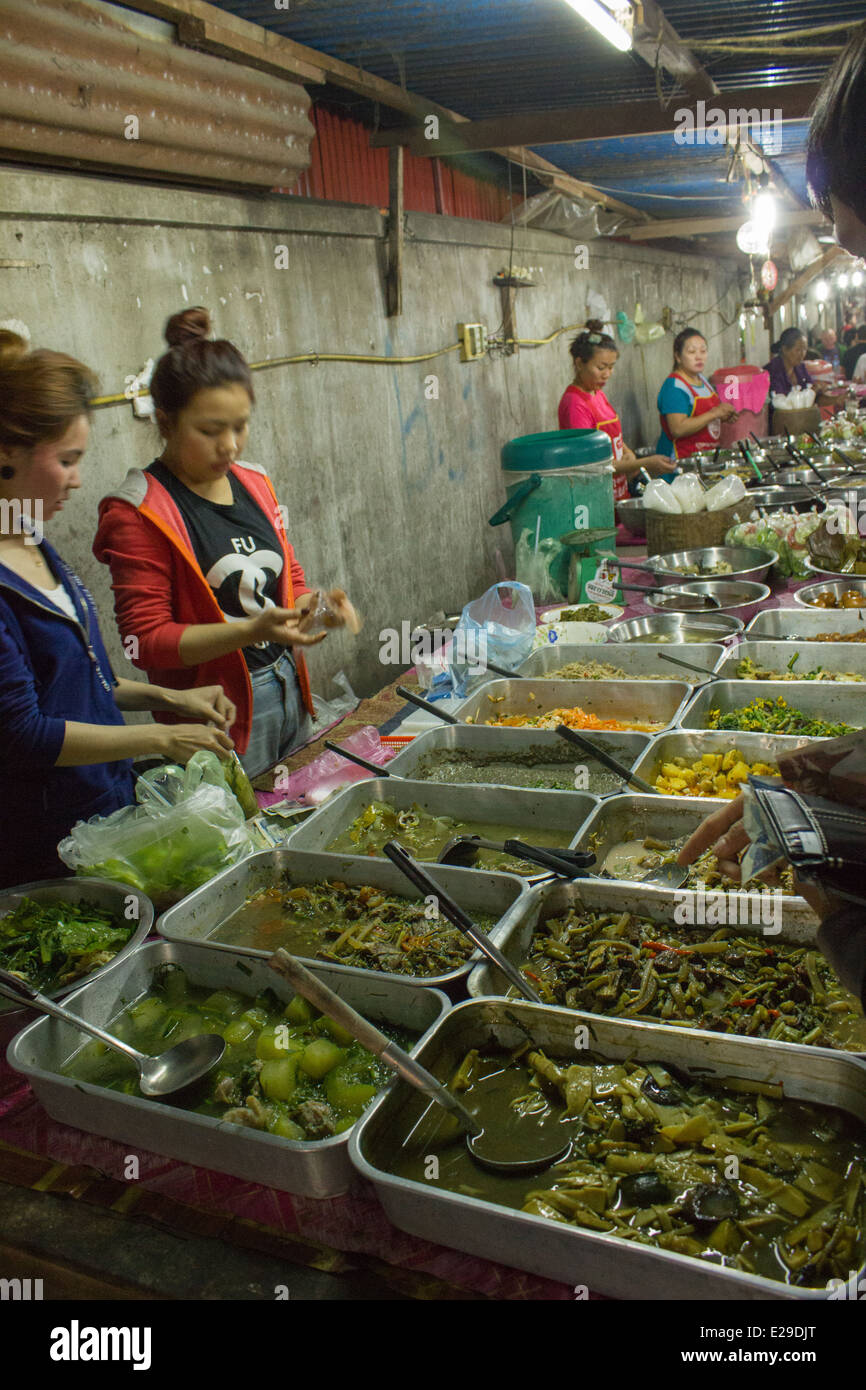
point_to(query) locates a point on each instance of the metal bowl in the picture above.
(746, 561)
(738, 599)
(631, 513)
(113, 897)
(793, 498)
(810, 565)
(806, 596)
(676, 628)
(792, 476)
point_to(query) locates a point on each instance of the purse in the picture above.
(824, 841)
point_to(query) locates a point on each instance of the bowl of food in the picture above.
(60, 933)
(660, 628)
(835, 593)
(777, 498)
(739, 598)
(731, 562)
(581, 613)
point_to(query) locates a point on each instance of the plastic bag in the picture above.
(499, 626)
(187, 827)
(330, 712)
(659, 496)
(312, 784)
(532, 562)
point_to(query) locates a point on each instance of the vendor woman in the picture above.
(584, 406)
(203, 573)
(787, 370)
(64, 748)
(690, 411)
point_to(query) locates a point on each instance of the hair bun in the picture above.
(594, 326)
(186, 326)
(12, 348)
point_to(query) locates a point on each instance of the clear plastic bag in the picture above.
(499, 626)
(187, 827)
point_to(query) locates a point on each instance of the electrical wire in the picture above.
(121, 398)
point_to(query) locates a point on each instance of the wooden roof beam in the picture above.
(804, 278)
(657, 41)
(705, 226)
(572, 124)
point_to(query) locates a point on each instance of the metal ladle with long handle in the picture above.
(158, 1076)
(538, 1145)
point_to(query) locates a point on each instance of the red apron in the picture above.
(707, 438)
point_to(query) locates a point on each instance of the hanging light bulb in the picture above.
(857, 279)
(822, 289)
(842, 281)
(753, 240)
(763, 211)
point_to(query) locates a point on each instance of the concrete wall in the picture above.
(388, 491)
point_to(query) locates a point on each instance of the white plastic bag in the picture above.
(689, 493)
(659, 496)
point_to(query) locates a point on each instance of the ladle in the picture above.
(690, 666)
(806, 463)
(674, 598)
(539, 1146)
(394, 851)
(376, 770)
(461, 851)
(606, 759)
(426, 705)
(179, 1066)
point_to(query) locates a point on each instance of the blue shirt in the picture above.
(675, 399)
(51, 670)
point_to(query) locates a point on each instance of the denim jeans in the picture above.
(280, 722)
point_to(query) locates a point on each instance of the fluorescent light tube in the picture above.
(601, 19)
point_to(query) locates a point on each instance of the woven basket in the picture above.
(688, 530)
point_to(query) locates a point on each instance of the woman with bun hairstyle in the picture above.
(584, 406)
(204, 578)
(689, 408)
(64, 748)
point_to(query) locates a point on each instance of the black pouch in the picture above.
(823, 840)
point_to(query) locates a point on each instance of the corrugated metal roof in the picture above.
(496, 57)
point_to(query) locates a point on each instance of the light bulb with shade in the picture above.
(842, 281)
(822, 289)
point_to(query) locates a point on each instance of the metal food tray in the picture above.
(652, 701)
(635, 661)
(799, 624)
(691, 744)
(821, 699)
(776, 655)
(201, 914)
(100, 892)
(635, 816)
(481, 738)
(309, 1169)
(606, 1264)
(526, 811)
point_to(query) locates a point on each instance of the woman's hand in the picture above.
(206, 704)
(288, 626)
(723, 832)
(178, 742)
(724, 411)
(658, 464)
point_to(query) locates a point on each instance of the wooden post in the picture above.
(394, 281)
(508, 294)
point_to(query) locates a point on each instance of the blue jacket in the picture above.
(51, 670)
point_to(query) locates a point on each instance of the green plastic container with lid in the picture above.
(557, 483)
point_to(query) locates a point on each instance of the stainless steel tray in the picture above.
(200, 915)
(822, 699)
(652, 701)
(810, 655)
(113, 897)
(525, 810)
(319, 1169)
(513, 744)
(636, 662)
(665, 817)
(574, 1256)
(691, 744)
(799, 624)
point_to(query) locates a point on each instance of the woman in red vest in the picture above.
(584, 406)
(689, 409)
(206, 586)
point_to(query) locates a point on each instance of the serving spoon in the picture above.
(539, 1145)
(170, 1071)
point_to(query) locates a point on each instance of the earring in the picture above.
(7, 471)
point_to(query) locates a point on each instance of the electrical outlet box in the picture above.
(473, 341)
